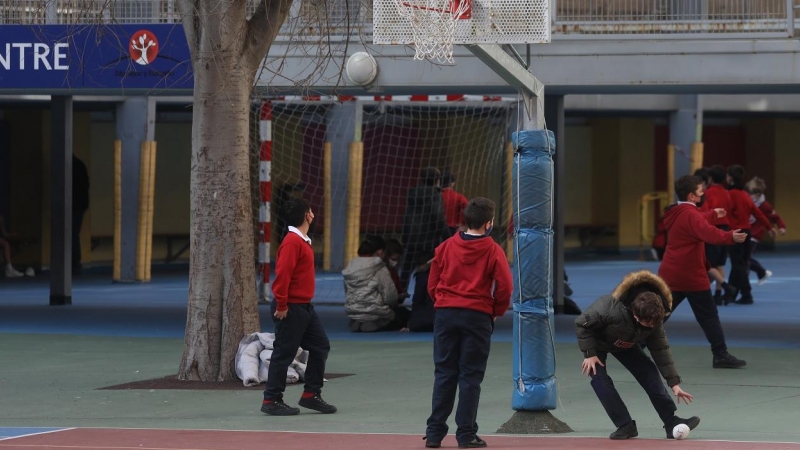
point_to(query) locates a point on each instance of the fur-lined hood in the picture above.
(637, 282)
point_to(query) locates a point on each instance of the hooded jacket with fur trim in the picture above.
(608, 325)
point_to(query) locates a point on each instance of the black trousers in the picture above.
(646, 373)
(77, 221)
(706, 313)
(461, 343)
(413, 254)
(756, 266)
(300, 328)
(740, 266)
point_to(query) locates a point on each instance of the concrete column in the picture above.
(61, 201)
(554, 116)
(341, 131)
(135, 124)
(685, 128)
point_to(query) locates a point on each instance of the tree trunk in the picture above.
(222, 306)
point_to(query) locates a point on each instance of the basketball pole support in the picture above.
(510, 70)
(532, 91)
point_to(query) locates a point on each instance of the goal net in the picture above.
(308, 151)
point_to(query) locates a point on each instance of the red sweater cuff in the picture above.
(282, 306)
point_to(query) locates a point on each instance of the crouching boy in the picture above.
(617, 323)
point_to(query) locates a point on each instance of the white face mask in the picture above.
(392, 263)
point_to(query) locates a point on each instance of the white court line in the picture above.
(34, 434)
(519, 436)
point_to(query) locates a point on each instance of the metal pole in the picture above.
(61, 201)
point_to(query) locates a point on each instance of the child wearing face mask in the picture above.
(371, 300)
(756, 187)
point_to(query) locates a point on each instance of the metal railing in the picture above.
(663, 17)
(338, 18)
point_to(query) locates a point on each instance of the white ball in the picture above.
(681, 431)
(361, 68)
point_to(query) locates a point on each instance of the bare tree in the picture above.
(227, 50)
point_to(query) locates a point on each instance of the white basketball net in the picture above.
(433, 23)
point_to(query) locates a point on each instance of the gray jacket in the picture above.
(369, 292)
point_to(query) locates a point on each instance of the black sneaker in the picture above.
(745, 300)
(727, 361)
(730, 294)
(626, 431)
(278, 408)
(475, 443)
(317, 404)
(691, 422)
(431, 444)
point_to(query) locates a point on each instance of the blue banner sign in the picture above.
(148, 57)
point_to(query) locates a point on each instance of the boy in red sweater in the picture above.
(453, 202)
(756, 188)
(296, 322)
(741, 210)
(685, 268)
(470, 284)
(718, 197)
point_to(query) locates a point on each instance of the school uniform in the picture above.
(470, 284)
(741, 210)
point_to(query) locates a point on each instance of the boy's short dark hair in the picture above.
(686, 185)
(737, 174)
(429, 176)
(703, 174)
(294, 211)
(717, 174)
(393, 247)
(479, 210)
(371, 244)
(648, 307)
(448, 178)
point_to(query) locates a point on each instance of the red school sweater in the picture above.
(470, 274)
(759, 230)
(743, 207)
(454, 205)
(294, 272)
(684, 264)
(718, 197)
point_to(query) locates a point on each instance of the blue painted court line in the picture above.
(10, 433)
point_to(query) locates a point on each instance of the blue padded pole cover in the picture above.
(533, 347)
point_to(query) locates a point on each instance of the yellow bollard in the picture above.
(151, 193)
(697, 156)
(141, 229)
(354, 184)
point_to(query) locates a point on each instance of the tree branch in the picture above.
(188, 9)
(262, 28)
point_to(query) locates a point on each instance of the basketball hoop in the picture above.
(433, 25)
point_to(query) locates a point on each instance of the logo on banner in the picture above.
(143, 47)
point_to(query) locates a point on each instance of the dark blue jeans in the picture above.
(461, 343)
(300, 328)
(646, 373)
